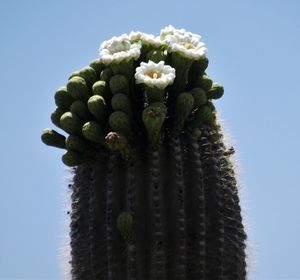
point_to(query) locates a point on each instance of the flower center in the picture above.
(154, 74)
(119, 47)
(188, 46)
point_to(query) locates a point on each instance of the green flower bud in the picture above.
(89, 75)
(116, 141)
(106, 74)
(75, 143)
(153, 118)
(97, 107)
(77, 88)
(63, 99)
(215, 92)
(204, 82)
(183, 107)
(71, 123)
(198, 67)
(101, 88)
(118, 84)
(80, 109)
(52, 138)
(74, 74)
(55, 116)
(203, 115)
(71, 158)
(121, 102)
(125, 226)
(156, 55)
(199, 97)
(119, 122)
(98, 66)
(93, 132)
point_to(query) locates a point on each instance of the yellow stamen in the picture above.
(189, 46)
(154, 74)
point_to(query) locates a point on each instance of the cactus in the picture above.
(154, 194)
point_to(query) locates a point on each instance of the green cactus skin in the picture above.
(52, 138)
(154, 95)
(154, 194)
(156, 55)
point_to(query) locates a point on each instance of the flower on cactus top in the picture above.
(155, 75)
(118, 49)
(171, 30)
(155, 41)
(186, 45)
(135, 36)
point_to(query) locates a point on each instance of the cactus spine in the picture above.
(154, 195)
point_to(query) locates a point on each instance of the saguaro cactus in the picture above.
(154, 194)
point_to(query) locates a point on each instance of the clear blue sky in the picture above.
(253, 47)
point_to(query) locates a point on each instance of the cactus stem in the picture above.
(131, 208)
(157, 262)
(109, 223)
(179, 186)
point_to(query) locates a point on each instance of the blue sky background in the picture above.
(253, 47)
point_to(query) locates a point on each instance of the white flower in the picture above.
(187, 45)
(135, 36)
(155, 75)
(171, 30)
(145, 38)
(152, 40)
(118, 49)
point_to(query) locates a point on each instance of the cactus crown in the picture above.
(141, 88)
